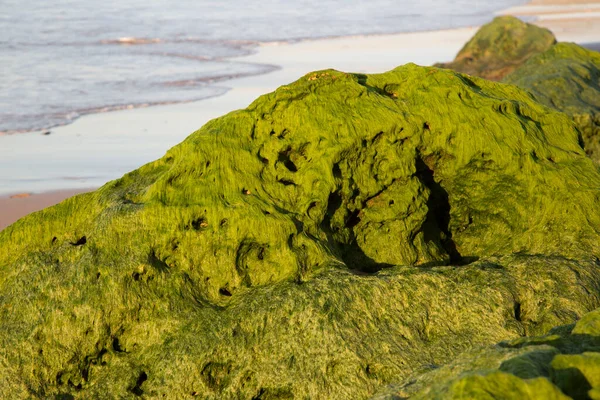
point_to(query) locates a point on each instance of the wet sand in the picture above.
(18, 205)
(570, 20)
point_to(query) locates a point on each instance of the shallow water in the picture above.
(65, 58)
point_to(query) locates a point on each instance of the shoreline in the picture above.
(253, 50)
(543, 12)
(97, 148)
(100, 147)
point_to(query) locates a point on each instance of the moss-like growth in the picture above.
(567, 78)
(565, 364)
(501, 46)
(244, 263)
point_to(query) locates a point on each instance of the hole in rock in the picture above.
(353, 219)
(337, 172)
(224, 292)
(199, 223)
(286, 182)
(517, 310)
(156, 262)
(333, 203)
(284, 157)
(438, 215)
(82, 240)
(116, 345)
(137, 389)
(283, 134)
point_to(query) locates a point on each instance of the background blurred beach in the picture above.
(64, 58)
(68, 58)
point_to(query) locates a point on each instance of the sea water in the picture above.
(64, 58)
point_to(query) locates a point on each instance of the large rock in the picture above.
(501, 46)
(567, 78)
(240, 265)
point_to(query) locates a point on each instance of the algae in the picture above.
(499, 47)
(337, 235)
(563, 76)
(567, 77)
(564, 364)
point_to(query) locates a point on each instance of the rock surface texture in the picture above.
(567, 78)
(501, 46)
(564, 364)
(341, 233)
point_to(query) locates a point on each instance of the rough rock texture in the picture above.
(501, 46)
(340, 233)
(567, 78)
(564, 364)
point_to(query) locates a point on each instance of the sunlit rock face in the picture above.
(501, 46)
(337, 235)
(567, 77)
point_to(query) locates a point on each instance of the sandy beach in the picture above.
(571, 21)
(100, 147)
(15, 206)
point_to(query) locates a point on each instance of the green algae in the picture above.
(499, 47)
(564, 76)
(567, 78)
(564, 364)
(340, 233)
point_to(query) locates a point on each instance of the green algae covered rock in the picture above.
(577, 374)
(567, 78)
(564, 364)
(501, 386)
(340, 233)
(501, 46)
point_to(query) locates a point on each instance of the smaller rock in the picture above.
(501, 46)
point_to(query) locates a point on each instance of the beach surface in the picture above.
(570, 20)
(100, 147)
(15, 206)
